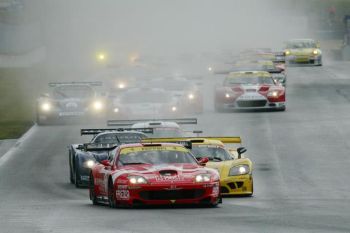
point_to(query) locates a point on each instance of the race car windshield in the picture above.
(74, 91)
(301, 45)
(248, 80)
(119, 138)
(156, 157)
(145, 97)
(212, 153)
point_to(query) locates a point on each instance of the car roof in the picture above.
(249, 74)
(156, 124)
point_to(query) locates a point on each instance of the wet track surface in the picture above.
(301, 159)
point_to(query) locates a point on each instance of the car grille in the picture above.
(172, 194)
(234, 185)
(251, 103)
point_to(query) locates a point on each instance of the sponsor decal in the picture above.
(122, 194)
(169, 178)
(122, 187)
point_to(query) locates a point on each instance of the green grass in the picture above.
(17, 101)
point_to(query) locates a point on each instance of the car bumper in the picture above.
(169, 194)
(251, 105)
(305, 60)
(237, 185)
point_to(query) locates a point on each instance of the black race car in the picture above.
(70, 100)
(83, 156)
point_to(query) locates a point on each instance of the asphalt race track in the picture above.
(301, 160)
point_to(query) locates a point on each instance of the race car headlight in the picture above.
(190, 96)
(287, 52)
(174, 109)
(202, 178)
(121, 85)
(315, 52)
(97, 105)
(46, 107)
(89, 163)
(137, 180)
(239, 170)
(116, 110)
(227, 95)
(273, 94)
(210, 68)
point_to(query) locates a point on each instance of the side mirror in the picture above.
(240, 151)
(203, 161)
(106, 163)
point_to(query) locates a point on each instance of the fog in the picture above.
(153, 38)
(74, 31)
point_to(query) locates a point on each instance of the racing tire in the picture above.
(282, 109)
(112, 201)
(92, 195)
(71, 178)
(215, 204)
(76, 178)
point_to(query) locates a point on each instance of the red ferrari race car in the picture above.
(250, 90)
(154, 174)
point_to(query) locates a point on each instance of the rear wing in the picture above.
(55, 84)
(97, 131)
(180, 121)
(98, 147)
(226, 140)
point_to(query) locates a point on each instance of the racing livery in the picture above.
(153, 174)
(83, 156)
(250, 90)
(303, 51)
(236, 171)
(70, 100)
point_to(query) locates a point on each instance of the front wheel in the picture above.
(111, 195)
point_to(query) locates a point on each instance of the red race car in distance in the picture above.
(153, 174)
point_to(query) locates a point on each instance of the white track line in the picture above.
(24, 137)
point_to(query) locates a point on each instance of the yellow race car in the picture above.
(303, 51)
(235, 170)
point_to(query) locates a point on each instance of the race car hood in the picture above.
(167, 172)
(224, 167)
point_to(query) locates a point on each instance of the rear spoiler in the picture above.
(180, 121)
(226, 140)
(97, 131)
(55, 84)
(98, 147)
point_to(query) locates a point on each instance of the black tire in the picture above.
(112, 202)
(76, 178)
(71, 178)
(92, 195)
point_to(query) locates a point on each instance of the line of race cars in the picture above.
(144, 159)
(159, 164)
